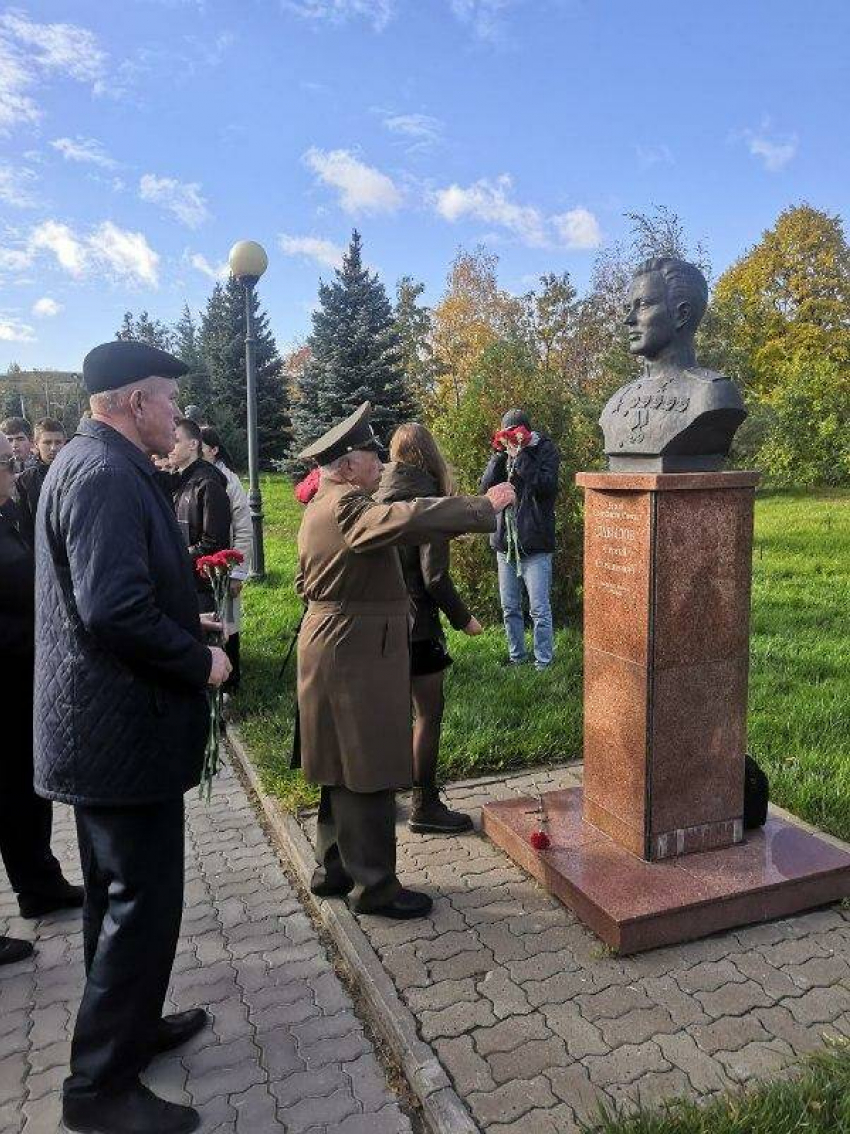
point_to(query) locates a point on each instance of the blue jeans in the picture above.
(536, 570)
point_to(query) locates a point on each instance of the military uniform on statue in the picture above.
(121, 722)
(354, 660)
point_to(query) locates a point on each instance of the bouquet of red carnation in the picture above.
(217, 569)
(518, 437)
(307, 488)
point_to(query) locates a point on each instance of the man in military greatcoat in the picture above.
(354, 659)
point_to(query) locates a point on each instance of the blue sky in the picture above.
(139, 140)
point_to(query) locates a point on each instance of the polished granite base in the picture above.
(635, 905)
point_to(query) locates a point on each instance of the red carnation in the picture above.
(307, 488)
(231, 555)
(518, 436)
(539, 840)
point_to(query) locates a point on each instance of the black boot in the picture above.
(135, 1110)
(13, 949)
(430, 815)
(62, 895)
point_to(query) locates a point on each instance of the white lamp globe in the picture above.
(247, 258)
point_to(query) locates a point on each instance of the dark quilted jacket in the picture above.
(120, 672)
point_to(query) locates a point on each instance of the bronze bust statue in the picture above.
(677, 417)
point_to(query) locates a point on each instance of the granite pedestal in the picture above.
(652, 849)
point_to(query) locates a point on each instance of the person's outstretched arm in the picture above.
(367, 525)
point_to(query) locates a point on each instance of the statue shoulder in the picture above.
(703, 374)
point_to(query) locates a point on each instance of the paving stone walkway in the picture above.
(535, 1022)
(286, 1051)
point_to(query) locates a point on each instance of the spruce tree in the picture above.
(222, 346)
(195, 387)
(355, 356)
(143, 329)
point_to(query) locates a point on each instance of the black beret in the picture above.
(112, 365)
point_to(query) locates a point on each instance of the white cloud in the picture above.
(490, 201)
(377, 12)
(127, 254)
(46, 308)
(211, 271)
(87, 150)
(182, 199)
(483, 17)
(60, 240)
(108, 250)
(422, 130)
(14, 331)
(17, 187)
(578, 228)
(648, 156)
(362, 188)
(31, 52)
(774, 153)
(323, 252)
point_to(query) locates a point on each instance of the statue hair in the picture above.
(684, 282)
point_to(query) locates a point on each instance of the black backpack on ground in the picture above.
(755, 795)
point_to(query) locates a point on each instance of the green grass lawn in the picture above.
(500, 719)
(815, 1101)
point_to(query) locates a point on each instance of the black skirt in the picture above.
(428, 656)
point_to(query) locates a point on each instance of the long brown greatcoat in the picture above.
(353, 649)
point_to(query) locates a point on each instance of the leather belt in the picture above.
(377, 609)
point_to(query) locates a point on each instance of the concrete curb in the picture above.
(442, 1108)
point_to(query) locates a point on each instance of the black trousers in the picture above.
(26, 820)
(132, 859)
(355, 842)
(231, 648)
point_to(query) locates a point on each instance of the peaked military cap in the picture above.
(112, 365)
(354, 433)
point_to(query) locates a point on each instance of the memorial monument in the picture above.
(652, 849)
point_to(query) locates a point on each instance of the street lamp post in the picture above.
(248, 261)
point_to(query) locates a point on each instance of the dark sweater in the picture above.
(426, 567)
(17, 583)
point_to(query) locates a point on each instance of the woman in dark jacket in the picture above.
(419, 469)
(25, 819)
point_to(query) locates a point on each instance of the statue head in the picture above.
(667, 299)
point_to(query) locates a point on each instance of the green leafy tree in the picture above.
(808, 439)
(787, 298)
(355, 356)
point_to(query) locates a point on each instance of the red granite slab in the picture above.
(669, 482)
(635, 905)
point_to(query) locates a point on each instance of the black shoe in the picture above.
(405, 905)
(62, 896)
(507, 663)
(13, 949)
(174, 1030)
(133, 1111)
(430, 815)
(324, 887)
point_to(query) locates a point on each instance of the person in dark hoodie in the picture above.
(534, 475)
(201, 503)
(25, 818)
(49, 439)
(418, 469)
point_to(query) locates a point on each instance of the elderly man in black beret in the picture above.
(120, 725)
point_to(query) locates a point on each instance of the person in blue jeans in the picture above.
(534, 475)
